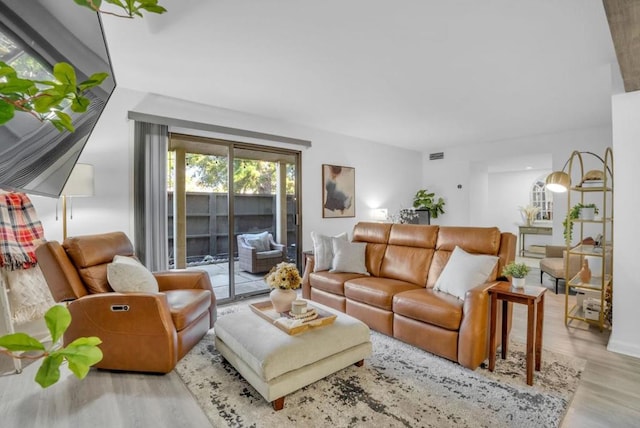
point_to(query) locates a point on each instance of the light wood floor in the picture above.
(608, 395)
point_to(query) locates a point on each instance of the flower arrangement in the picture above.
(529, 214)
(516, 270)
(284, 276)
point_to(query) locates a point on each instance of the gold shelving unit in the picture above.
(599, 289)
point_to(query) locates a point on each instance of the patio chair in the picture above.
(259, 252)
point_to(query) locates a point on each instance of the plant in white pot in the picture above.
(578, 211)
(517, 272)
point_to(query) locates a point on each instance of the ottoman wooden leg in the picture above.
(278, 403)
(359, 363)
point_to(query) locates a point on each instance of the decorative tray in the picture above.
(289, 324)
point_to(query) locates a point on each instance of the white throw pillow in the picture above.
(259, 241)
(348, 256)
(258, 244)
(126, 274)
(323, 250)
(464, 271)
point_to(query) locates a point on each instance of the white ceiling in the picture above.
(419, 74)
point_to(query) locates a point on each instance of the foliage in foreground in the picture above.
(80, 354)
(46, 100)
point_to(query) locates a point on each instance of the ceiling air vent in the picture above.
(436, 156)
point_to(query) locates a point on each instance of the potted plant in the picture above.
(580, 210)
(517, 272)
(427, 201)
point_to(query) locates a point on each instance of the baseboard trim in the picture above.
(624, 348)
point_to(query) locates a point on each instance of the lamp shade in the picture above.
(379, 214)
(80, 182)
(558, 181)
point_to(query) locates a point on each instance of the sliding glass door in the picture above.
(205, 222)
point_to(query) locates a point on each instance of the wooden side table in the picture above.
(533, 297)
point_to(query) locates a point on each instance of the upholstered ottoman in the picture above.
(276, 363)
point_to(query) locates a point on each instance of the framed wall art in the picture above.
(338, 191)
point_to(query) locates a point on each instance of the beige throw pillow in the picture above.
(348, 256)
(464, 271)
(323, 250)
(126, 274)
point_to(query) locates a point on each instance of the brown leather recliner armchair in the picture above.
(146, 332)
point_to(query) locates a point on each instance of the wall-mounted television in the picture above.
(34, 35)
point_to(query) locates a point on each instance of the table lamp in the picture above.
(79, 184)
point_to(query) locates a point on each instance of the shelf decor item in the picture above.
(585, 272)
(282, 299)
(529, 214)
(283, 278)
(578, 211)
(598, 280)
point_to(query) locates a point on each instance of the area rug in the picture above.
(399, 386)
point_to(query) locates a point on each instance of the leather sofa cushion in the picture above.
(411, 235)
(409, 253)
(91, 250)
(429, 306)
(95, 279)
(91, 253)
(376, 291)
(406, 264)
(479, 240)
(331, 282)
(187, 305)
(376, 236)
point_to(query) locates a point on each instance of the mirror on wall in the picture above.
(34, 35)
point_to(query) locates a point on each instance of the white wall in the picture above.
(508, 191)
(626, 153)
(385, 176)
(468, 165)
(109, 151)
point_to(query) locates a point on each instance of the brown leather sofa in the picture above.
(145, 332)
(397, 299)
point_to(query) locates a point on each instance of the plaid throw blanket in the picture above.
(20, 231)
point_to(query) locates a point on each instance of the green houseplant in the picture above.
(573, 214)
(518, 272)
(80, 354)
(425, 200)
(46, 100)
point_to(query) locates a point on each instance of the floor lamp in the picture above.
(80, 183)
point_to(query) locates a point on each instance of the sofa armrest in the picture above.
(247, 252)
(182, 279)
(473, 338)
(275, 246)
(138, 321)
(188, 280)
(308, 268)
